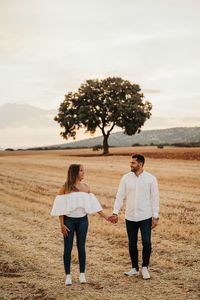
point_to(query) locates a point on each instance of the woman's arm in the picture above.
(64, 228)
(101, 213)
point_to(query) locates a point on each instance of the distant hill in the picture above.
(171, 136)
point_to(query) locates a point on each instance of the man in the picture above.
(142, 207)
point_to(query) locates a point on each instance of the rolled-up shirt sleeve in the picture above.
(121, 193)
(155, 199)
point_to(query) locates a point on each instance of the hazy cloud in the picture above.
(15, 115)
(48, 49)
(28, 126)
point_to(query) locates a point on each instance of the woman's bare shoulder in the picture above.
(62, 190)
(86, 187)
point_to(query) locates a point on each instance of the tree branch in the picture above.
(100, 127)
(113, 125)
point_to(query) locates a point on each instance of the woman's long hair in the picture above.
(72, 175)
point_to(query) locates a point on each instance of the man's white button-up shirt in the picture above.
(141, 194)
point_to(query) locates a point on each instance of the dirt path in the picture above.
(31, 243)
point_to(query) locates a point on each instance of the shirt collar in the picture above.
(141, 174)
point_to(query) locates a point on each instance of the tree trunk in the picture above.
(105, 144)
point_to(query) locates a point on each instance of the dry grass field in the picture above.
(32, 245)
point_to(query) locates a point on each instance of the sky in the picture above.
(50, 47)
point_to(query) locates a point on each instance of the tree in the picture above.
(104, 104)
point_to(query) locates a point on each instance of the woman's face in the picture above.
(81, 173)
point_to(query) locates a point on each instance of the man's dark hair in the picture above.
(139, 157)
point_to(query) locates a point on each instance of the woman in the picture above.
(73, 203)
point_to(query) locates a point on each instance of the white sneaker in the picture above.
(82, 278)
(132, 272)
(68, 280)
(145, 273)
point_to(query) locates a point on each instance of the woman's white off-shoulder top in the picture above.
(75, 204)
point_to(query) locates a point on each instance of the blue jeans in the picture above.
(132, 231)
(80, 227)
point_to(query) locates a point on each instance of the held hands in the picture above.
(64, 230)
(113, 219)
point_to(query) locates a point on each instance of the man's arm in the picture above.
(118, 201)
(155, 199)
(121, 193)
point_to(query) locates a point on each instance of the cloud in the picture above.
(28, 126)
(151, 91)
(170, 122)
(18, 116)
(49, 49)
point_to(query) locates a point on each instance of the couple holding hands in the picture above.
(75, 201)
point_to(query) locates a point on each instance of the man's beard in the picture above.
(134, 170)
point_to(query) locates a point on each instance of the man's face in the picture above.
(135, 165)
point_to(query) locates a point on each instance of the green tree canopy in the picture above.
(104, 104)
